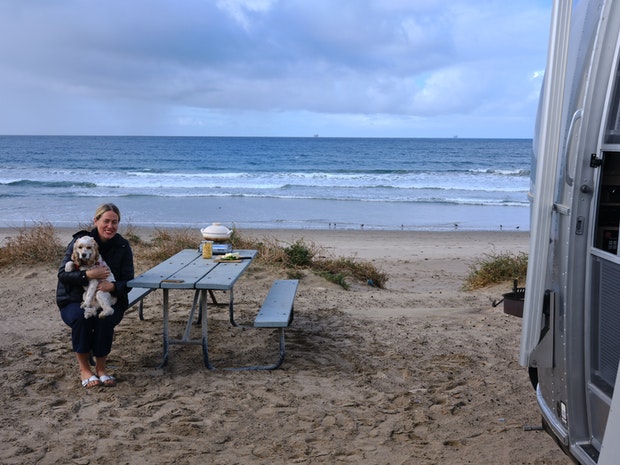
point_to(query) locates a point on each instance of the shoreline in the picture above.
(271, 213)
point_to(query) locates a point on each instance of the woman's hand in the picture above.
(100, 272)
(105, 286)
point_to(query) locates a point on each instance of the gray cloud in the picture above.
(187, 60)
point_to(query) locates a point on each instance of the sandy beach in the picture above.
(421, 372)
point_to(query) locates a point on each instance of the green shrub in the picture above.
(497, 268)
(336, 278)
(360, 270)
(299, 254)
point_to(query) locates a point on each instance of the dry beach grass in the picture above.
(420, 372)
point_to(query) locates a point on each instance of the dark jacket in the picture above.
(117, 254)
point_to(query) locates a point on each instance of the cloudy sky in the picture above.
(375, 68)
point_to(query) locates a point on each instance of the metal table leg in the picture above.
(190, 319)
(231, 309)
(165, 359)
(205, 329)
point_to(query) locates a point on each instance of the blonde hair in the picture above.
(107, 207)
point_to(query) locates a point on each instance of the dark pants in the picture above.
(93, 335)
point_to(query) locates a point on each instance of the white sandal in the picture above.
(108, 381)
(92, 379)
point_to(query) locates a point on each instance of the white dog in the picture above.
(86, 256)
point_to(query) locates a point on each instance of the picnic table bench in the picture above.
(276, 312)
(137, 295)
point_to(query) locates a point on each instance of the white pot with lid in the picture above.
(216, 232)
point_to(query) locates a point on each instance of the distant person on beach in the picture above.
(94, 335)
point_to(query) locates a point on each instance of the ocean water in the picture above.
(256, 182)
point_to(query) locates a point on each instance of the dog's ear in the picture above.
(96, 257)
(74, 255)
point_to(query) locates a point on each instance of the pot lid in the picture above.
(216, 230)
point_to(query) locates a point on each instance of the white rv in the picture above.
(571, 320)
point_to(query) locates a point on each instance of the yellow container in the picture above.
(207, 249)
